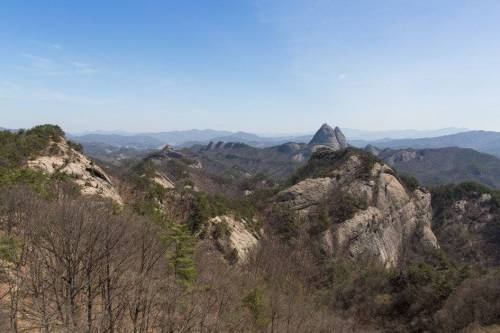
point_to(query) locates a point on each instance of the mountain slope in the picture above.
(345, 245)
(45, 150)
(467, 222)
(114, 155)
(60, 158)
(444, 165)
(238, 158)
(483, 141)
(360, 209)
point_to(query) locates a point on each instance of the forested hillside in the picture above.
(344, 244)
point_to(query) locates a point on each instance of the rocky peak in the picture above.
(61, 157)
(167, 152)
(329, 137)
(371, 215)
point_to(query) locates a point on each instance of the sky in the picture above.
(263, 66)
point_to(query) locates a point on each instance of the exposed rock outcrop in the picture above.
(329, 137)
(467, 223)
(372, 215)
(163, 181)
(232, 236)
(60, 157)
(307, 194)
(166, 153)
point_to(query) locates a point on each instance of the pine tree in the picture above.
(178, 238)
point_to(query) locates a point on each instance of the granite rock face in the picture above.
(232, 236)
(162, 180)
(92, 180)
(326, 136)
(388, 218)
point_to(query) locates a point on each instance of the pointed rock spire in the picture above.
(327, 136)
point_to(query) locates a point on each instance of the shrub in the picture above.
(221, 230)
(323, 161)
(36, 180)
(15, 148)
(285, 222)
(337, 207)
(204, 207)
(255, 302)
(75, 145)
(445, 195)
(8, 249)
(411, 183)
(420, 274)
(476, 300)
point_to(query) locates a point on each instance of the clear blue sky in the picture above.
(267, 66)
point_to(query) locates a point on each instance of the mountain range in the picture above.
(483, 141)
(439, 166)
(227, 237)
(240, 160)
(466, 156)
(192, 137)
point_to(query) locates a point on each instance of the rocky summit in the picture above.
(323, 237)
(372, 216)
(329, 137)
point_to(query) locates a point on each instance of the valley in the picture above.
(279, 236)
(250, 166)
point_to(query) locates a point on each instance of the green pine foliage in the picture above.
(255, 301)
(8, 249)
(323, 161)
(411, 183)
(204, 207)
(181, 243)
(444, 196)
(17, 147)
(176, 237)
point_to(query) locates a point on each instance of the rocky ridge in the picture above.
(371, 215)
(61, 157)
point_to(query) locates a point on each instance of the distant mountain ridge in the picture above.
(483, 141)
(135, 141)
(443, 165)
(191, 137)
(278, 161)
(355, 134)
(147, 140)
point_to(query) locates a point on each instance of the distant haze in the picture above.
(188, 138)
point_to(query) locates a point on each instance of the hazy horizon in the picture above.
(258, 66)
(411, 131)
